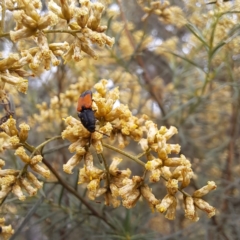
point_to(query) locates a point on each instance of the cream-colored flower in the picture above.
(190, 209)
(16, 189)
(23, 134)
(205, 190)
(172, 186)
(130, 192)
(146, 192)
(71, 163)
(204, 206)
(110, 199)
(165, 203)
(28, 187)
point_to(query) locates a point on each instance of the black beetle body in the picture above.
(88, 119)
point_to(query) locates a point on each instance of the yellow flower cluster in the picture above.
(166, 13)
(11, 72)
(12, 180)
(5, 231)
(85, 20)
(116, 185)
(83, 24)
(11, 136)
(29, 23)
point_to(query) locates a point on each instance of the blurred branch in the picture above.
(234, 120)
(54, 149)
(39, 147)
(140, 62)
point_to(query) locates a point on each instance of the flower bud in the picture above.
(165, 203)
(21, 33)
(36, 159)
(95, 19)
(72, 162)
(82, 16)
(201, 204)
(7, 180)
(65, 10)
(114, 190)
(22, 154)
(172, 186)
(152, 130)
(24, 129)
(111, 200)
(87, 49)
(27, 186)
(16, 189)
(190, 209)
(55, 9)
(155, 175)
(8, 62)
(153, 164)
(4, 191)
(144, 144)
(47, 20)
(131, 200)
(205, 190)
(31, 178)
(14, 140)
(40, 170)
(97, 144)
(148, 195)
(171, 212)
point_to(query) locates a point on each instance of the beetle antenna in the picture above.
(102, 133)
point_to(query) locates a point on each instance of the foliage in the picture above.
(156, 68)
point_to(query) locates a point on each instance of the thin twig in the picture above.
(65, 184)
(71, 190)
(124, 153)
(107, 169)
(139, 162)
(43, 144)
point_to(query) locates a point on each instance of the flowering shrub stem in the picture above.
(106, 167)
(43, 144)
(139, 162)
(61, 181)
(124, 153)
(71, 190)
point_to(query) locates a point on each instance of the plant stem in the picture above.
(124, 153)
(43, 144)
(71, 190)
(139, 162)
(107, 169)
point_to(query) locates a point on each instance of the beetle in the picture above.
(85, 101)
(86, 114)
